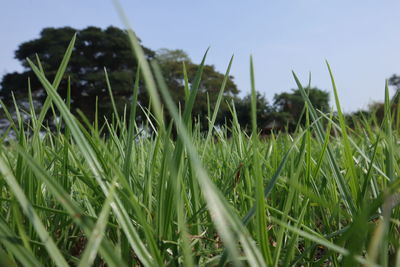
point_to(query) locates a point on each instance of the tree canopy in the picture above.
(290, 105)
(263, 110)
(96, 49)
(171, 62)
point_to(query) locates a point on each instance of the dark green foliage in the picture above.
(395, 81)
(171, 63)
(286, 111)
(291, 105)
(96, 49)
(264, 111)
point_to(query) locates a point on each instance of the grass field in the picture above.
(325, 195)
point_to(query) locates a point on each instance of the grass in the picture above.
(89, 194)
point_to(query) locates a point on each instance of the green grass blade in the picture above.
(132, 122)
(30, 213)
(224, 220)
(261, 221)
(349, 163)
(72, 208)
(14, 245)
(112, 98)
(339, 179)
(217, 105)
(57, 80)
(144, 66)
(95, 167)
(98, 232)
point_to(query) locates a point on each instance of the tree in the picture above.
(95, 49)
(290, 105)
(395, 81)
(172, 61)
(263, 111)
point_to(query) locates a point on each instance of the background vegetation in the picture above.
(97, 50)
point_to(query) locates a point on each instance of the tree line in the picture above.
(108, 50)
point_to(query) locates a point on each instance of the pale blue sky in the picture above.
(361, 39)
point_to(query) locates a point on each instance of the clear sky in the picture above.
(360, 38)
